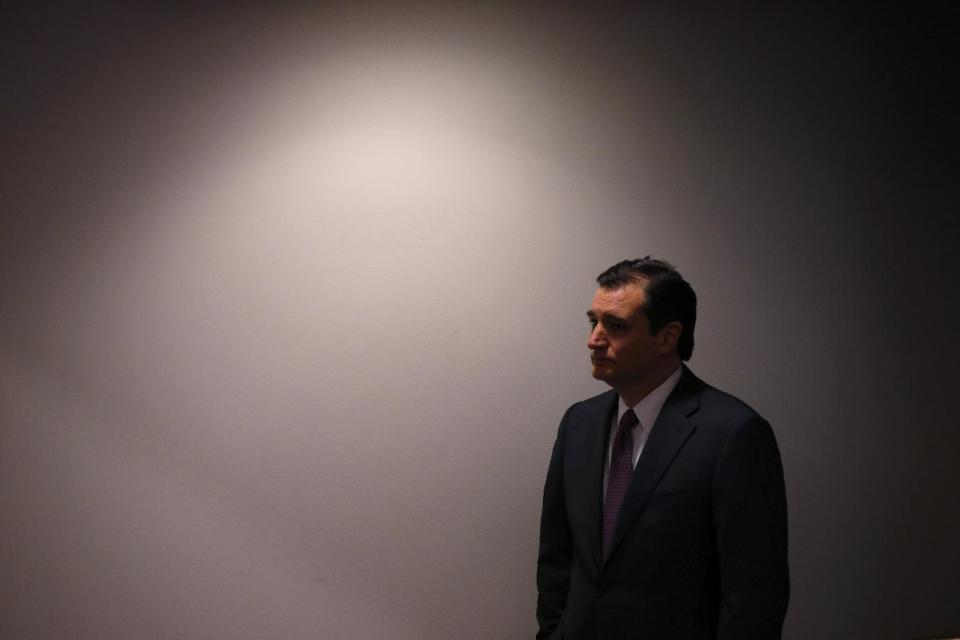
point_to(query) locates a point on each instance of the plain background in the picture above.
(293, 299)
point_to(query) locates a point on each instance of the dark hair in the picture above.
(669, 297)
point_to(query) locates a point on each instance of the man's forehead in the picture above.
(621, 301)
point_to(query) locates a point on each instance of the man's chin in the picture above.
(601, 372)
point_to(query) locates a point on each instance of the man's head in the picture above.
(643, 315)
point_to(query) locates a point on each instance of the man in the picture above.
(664, 511)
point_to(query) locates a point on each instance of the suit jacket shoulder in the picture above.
(710, 408)
(593, 407)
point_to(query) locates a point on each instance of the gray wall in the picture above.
(292, 302)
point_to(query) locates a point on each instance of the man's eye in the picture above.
(616, 326)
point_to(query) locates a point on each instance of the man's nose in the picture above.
(597, 339)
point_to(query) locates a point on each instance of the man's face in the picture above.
(621, 348)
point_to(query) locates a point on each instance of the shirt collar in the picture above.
(649, 408)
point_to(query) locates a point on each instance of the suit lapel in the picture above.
(667, 436)
(597, 452)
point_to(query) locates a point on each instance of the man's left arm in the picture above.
(750, 512)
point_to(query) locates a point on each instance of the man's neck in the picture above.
(633, 393)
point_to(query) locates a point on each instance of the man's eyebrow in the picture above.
(606, 316)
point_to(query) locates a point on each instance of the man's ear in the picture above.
(669, 337)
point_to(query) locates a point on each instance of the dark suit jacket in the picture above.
(700, 547)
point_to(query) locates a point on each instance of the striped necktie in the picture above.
(618, 478)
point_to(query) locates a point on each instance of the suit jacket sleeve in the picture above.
(556, 549)
(750, 512)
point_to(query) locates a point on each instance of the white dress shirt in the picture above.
(647, 411)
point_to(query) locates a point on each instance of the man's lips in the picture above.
(599, 360)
